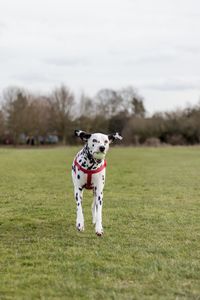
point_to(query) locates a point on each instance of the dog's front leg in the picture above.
(99, 204)
(94, 209)
(79, 219)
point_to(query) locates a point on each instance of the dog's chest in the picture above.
(87, 172)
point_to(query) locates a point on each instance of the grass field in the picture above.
(151, 218)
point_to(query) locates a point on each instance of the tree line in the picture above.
(27, 117)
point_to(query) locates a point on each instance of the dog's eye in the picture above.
(94, 141)
(106, 142)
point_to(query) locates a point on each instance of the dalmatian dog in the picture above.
(88, 171)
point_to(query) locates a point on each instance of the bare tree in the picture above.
(2, 125)
(15, 107)
(39, 116)
(138, 108)
(126, 101)
(108, 103)
(61, 103)
(87, 106)
(127, 95)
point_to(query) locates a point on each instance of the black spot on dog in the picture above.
(99, 198)
(100, 202)
(78, 176)
(80, 189)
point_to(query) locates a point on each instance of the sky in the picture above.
(151, 45)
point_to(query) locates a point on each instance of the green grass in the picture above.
(151, 218)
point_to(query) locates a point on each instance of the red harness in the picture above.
(89, 173)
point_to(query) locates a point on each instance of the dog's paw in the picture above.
(99, 233)
(80, 227)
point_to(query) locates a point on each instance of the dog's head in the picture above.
(97, 143)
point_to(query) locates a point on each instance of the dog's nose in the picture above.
(102, 148)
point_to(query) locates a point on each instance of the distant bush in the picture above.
(153, 142)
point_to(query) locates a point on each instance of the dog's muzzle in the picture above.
(102, 149)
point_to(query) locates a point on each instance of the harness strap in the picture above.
(89, 172)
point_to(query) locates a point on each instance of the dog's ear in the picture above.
(82, 134)
(114, 136)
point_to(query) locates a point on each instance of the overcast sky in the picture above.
(152, 45)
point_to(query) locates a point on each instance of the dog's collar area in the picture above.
(89, 172)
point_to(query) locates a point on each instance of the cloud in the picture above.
(173, 84)
(31, 77)
(2, 27)
(151, 45)
(195, 49)
(66, 61)
(157, 58)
